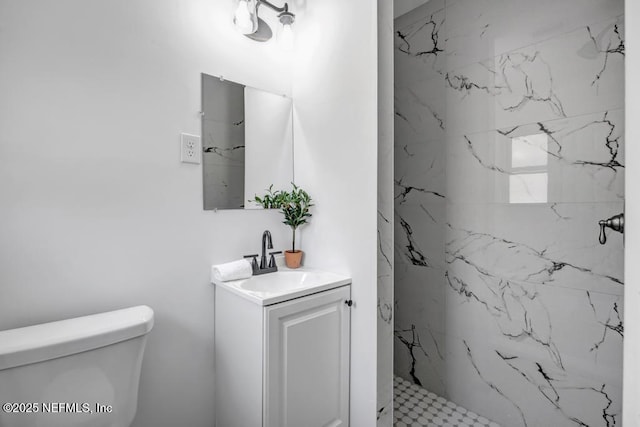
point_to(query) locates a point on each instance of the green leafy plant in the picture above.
(293, 204)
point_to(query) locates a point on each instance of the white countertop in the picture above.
(284, 284)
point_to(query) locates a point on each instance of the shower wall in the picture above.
(508, 151)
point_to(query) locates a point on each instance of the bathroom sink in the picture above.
(284, 284)
(280, 281)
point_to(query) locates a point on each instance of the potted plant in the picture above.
(294, 205)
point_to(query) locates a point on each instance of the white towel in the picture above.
(234, 270)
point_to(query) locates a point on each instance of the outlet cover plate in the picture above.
(190, 149)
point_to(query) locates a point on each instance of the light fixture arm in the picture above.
(272, 6)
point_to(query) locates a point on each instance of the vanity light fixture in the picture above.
(248, 22)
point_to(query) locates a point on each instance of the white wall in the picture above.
(631, 383)
(96, 212)
(335, 116)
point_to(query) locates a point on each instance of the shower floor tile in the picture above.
(415, 406)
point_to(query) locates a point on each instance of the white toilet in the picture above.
(77, 372)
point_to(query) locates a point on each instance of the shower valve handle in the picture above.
(615, 223)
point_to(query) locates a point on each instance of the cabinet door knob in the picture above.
(349, 302)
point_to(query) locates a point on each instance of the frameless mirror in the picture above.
(247, 142)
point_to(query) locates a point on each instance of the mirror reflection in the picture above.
(247, 142)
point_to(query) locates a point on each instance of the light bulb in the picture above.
(243, 18)
(285, 37)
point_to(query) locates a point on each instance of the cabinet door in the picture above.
(307, 361)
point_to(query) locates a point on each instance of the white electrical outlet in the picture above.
(190, 149)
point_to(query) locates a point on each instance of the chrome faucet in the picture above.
(264, 266)
(615, 223)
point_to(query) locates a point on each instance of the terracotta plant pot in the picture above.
(293, 259)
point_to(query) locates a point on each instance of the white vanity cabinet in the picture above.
(284, 364)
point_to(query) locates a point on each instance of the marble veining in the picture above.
(553, 388)
(509, 148)
(491, 256)
(421, 42)
(422, 38)
(493, 386)
(406, 189)
(583, 159)
(429, 27)
(573, 74)
(413, 345)
(463, 84)
(385, 224)
(411, 250)
(613, 323)
(385, 278)
(222, 151)
(607, 45)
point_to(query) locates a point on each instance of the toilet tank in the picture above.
(76, 372)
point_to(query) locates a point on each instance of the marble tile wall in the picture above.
(385, 336)
(509, 147)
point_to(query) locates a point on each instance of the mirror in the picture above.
(247, 143)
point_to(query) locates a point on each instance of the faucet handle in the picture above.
(615, 223)
(254, 261)
(272, 259)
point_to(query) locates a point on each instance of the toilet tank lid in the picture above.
(51, 340)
